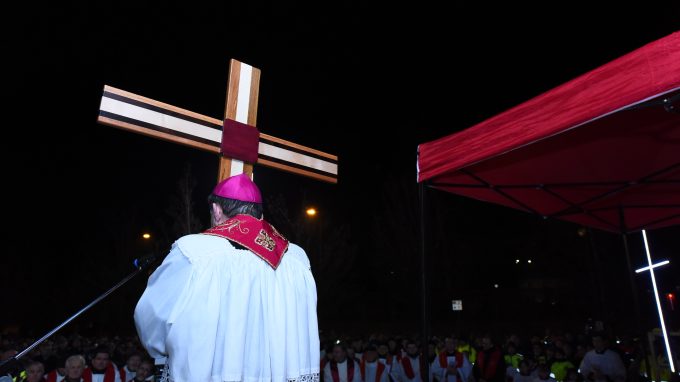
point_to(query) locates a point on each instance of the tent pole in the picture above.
(424, 284)
(631, 275)
(636, 299)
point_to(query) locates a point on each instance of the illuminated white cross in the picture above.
(650, 268)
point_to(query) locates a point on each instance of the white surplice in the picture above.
(221, 314)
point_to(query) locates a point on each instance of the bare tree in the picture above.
(328, 245)
(182, 209)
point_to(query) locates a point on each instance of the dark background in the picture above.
(367, 81)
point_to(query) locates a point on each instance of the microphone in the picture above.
(145, 261)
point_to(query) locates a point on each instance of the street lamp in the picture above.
(146, 236)
(311, 212)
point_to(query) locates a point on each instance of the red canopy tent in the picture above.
(602, 150)
(602, 146)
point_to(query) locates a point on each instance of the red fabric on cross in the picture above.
(240, 141)
(583, 143)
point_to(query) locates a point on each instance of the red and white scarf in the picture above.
(378, 373)
(408, 367)
(350, 371)
(109, 374)
(443, 359)
(53, 376)
(488, 367)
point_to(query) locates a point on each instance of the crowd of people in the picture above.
(374, 358)
(551, 358)
(79, 359)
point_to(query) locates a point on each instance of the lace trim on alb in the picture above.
(314, 377)
(306, 378)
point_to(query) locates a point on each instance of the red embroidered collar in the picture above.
(257, 235)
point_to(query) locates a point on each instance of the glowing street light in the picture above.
(671, 300)
(311, 212)
(529, 261)
(146, 236)
(517, 261)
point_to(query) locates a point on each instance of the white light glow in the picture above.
(658, 303)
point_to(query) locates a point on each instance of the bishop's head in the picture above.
(235, 195)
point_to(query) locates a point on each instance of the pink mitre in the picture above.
(239, 187)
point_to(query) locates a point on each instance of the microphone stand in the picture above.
(141, 264)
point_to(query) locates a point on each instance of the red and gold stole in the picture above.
(260, 237)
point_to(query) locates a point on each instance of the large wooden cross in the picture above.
(142, 115)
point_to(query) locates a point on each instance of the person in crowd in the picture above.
(431, 352)
(341, 368)
(372, 370)
(47, 355)
(601, 363)
(385, 357)
(469, 351)
(523, 373)
(74, 367)
(543, 374)
(35, 372)
(127, 372)
(394, 345)
(102, 370)
(490, 366)
(357, 345)
(58, 373)
(538, 353)
(144, 371)
(410, 365)
(512, 358)
(451, 365)
(560, 366)
(352, 355)
(327, 356)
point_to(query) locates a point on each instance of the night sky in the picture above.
(366, 81)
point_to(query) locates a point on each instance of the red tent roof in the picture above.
(604, 143)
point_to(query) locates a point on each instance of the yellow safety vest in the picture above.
(513, 360)
(469, 351)
(560, 368)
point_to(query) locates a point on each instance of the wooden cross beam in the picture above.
(143, 115)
